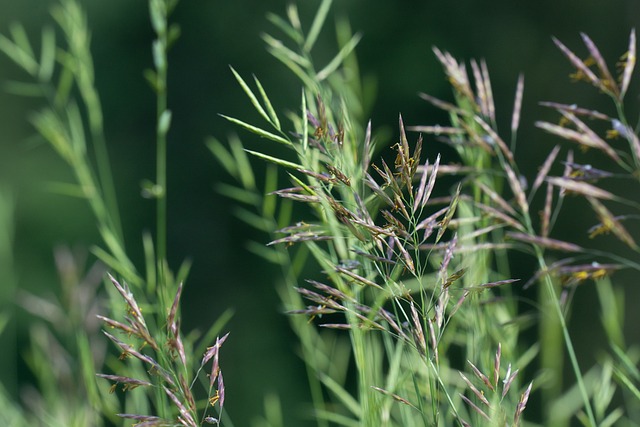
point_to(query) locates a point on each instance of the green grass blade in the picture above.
(316, 26)
(252, 97)
(286, 28)
(293, 57)
(245, 171)
(267, 103)
(261, 132)
(223, 156)
(275, 160)
(339, 58)
(47, 54)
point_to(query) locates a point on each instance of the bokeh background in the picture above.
(395, 53)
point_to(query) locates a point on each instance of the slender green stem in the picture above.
(548, 283)
(159, 18)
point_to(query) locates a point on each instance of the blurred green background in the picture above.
(260, 355)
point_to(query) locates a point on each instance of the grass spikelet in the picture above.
(629, 59)
(474, 407)
(544, 170)
(545, 217)
(583, 71)
(605, 76)
(516, 187)
(517, 106)
(522, 404)
(608, 222)
(581, 188)
(545, 242)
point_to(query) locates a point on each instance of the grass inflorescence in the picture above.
(396, 268)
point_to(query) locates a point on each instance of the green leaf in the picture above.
(239, 194)
(23, 89)
(245, 171)
(252, 219)
(339, 58)
(223, 156)
(275, 160)
(247, 90)
(66, 189)
(267, 253)
(261, 132)
(295, 68)
(318, 23)
(343, 395)
(286, 28)
(272, 113)
(277, 46)
(47, 54)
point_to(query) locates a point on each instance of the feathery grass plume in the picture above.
(167, 363)
(491, 403)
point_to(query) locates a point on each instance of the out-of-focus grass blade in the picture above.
(316, 26)
(261, 132)
(23, 89)
(115, 265)
(149, 262)
(275, 160)
(294, 67)
(245, 171)
(252, 219)
(16, 49)
(267, 253)
(275, 45)
(286, 28)
(335, 418)
(223, 156)
(239, 194)
(269, 202)
(47, 54)
(183, 271)
(343, 395)
(66, 189)
(339, 58)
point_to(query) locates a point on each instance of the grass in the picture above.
(396, 268)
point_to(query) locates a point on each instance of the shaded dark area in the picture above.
(260, 355)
